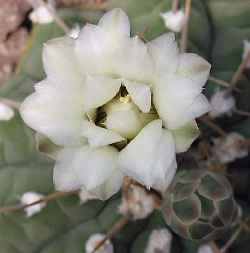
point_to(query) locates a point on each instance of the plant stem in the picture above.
(231, 240)
(222, 83)
(184, 32)
(50, 197)
(118, 226)
(175, 5)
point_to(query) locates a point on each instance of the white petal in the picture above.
(98, 90)
(55, 113)
(98, 136)
(115, 21)
(165, 53)
(150, 157)
(64, 175)
(84, 167)
(178, 100)
(103, 192)
(140, 94)
(95, 50)
(194, 67)
(6, 112)
(185, 136)
(60, 62)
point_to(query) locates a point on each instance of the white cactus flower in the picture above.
(116, 105)
(246, 49)
(93, 241)
(6, 112)
(30, 197)
(174, 21)
(160, 240)
(222, 102)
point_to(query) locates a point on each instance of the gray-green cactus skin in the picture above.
(199, 205)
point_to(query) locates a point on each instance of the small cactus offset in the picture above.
(200, 205)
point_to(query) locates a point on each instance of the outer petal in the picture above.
(165, 53)
(140, 94)
(84, 167)
(95, 50)
(185, 136)
(194, 67)
(98, 90)
(178, 100)
(98, 136)
(60, 62)
(116, 22)
(54, 112)
(150, 156)
(133, 61)
(103, 192)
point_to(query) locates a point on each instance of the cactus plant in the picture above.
(199, 204)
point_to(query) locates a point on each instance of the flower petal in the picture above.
(116, 22)
(165, 53)
(183, 95)
(55, 113)
(60, 62)
(140, 94)
(95, 50)
(150, 157)
(103, 192)
(194, 67)
(98, 90)
(98, 136)
(185, 136)
(84, 167)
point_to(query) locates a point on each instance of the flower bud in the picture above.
(30, 197)
(6, 112)
(174, 21)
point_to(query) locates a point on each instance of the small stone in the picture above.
(160, 241)
(31, 197)
(229, 148)
(93, 241)
(222, 102)
(174, 21)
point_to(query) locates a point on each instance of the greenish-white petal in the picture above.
(194, 67)
(84, 167)
(115, 22)
(54, 112)
(98, 136)
(165, 54)
(185, 136)
(178, 100)
(150, 157)
(98, 90)
(60, 63)
(140, 94)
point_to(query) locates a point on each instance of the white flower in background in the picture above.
(229, 148)
(205, 249)
(6, 112)
(41, 13)
(30, 197)
(174, 21)
(246, 49)
(75, 32)
(222, 102)
(160, 240)
(93, 241)
(116, 106)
